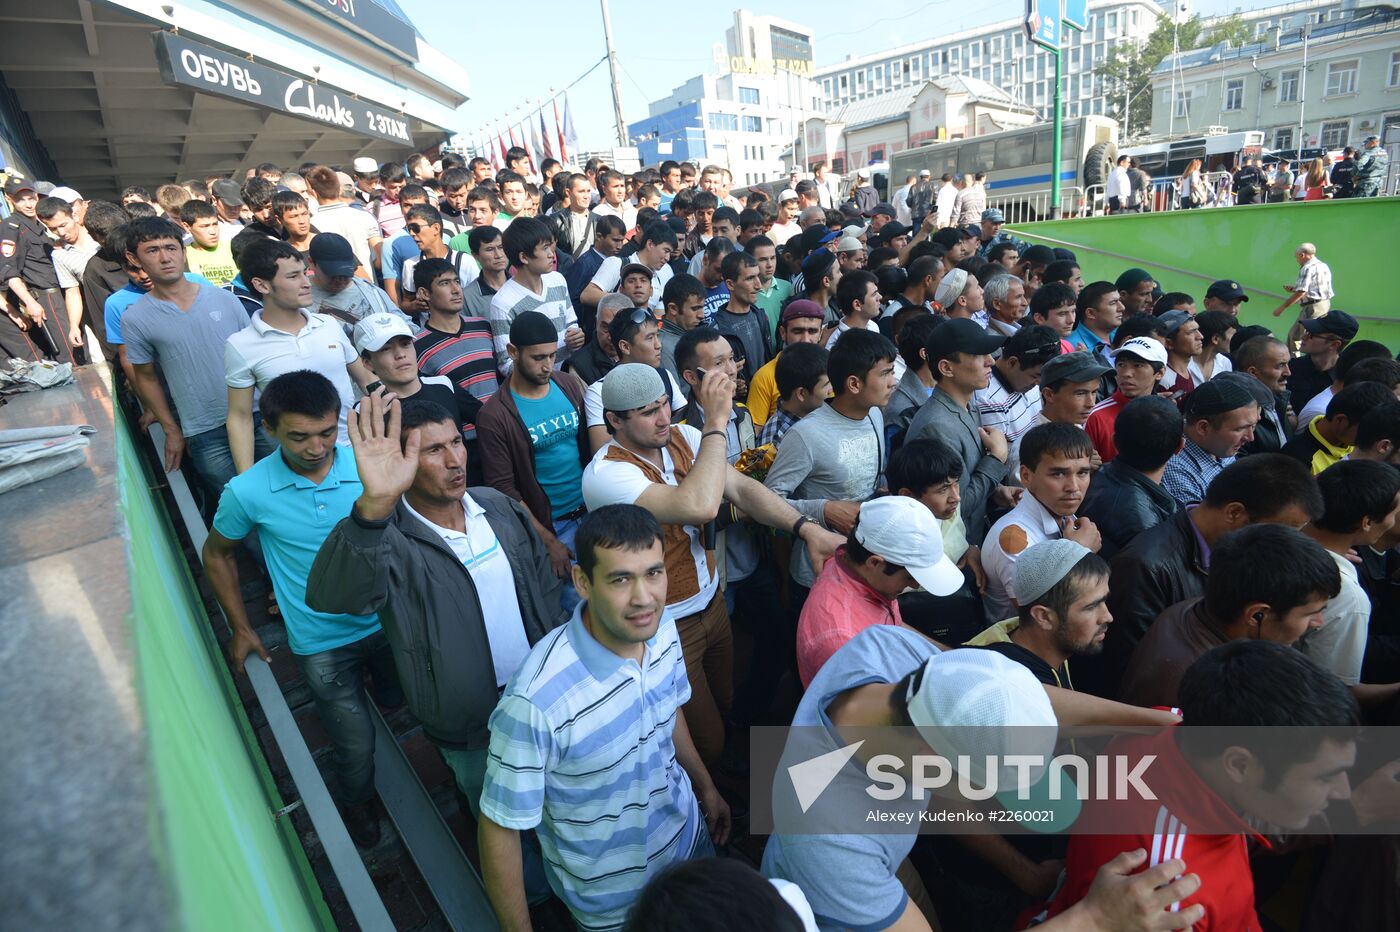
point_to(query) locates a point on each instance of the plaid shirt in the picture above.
(1315, 281)
(1189, 471)
(776, 426)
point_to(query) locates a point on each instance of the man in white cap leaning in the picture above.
(895, 545)
(366, 179)
(960, 702)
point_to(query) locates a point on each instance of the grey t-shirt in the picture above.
(824, 457)
(749, 330)
(849, 879)
(189, 348)
(359, 299)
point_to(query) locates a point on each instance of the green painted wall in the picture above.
(229, 864)
(1187, 250)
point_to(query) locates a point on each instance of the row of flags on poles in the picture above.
(532, 133)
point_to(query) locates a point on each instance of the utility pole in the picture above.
(622, 139)
(1303, 94)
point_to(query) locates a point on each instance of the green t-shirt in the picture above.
(771, 300)
(214, 264)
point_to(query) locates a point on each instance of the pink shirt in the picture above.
(839, 607)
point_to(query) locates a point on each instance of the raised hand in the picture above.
(386, 466)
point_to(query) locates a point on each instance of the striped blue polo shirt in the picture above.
(581, 752)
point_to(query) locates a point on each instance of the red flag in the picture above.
(502, 143)
(559, 128)
(511, 129)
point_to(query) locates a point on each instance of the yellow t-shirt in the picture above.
(214, 264)
(763, 392)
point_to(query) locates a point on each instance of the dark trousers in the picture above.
(336, 679)
(55, 326)
(757, 608)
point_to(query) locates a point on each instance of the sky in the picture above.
(659, 50)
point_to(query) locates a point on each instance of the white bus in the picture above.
(1221, 153)
(1018, 165)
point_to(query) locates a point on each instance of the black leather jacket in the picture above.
(558, 223)
(1124, 503)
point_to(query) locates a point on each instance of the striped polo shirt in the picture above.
(467, 357)
(581, 751)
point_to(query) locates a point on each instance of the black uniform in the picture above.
(1249, 185)
(26, 253)
(1344, 177)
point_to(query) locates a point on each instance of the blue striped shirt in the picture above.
(581, 751)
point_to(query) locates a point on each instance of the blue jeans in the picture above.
(336, 679)
(469, 767)
(211, 457)
(565, 529)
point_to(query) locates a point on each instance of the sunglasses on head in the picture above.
(640, 315)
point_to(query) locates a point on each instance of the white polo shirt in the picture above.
(609, 276)
(1027, 524)
(259, 353)
(487, 564)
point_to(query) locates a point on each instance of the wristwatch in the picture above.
(797, 525)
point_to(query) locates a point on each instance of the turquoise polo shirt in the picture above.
(293, 516)
(1085, 339)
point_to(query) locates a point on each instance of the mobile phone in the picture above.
(700, 370)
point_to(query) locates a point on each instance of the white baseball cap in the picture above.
(365, 166)
(67, 193)
(925, 173)
(903, 531)
(1145, 348)
(862, 173)
(374, 331)
(975, 703)
(787, 194)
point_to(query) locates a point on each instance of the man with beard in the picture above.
(1063, 587)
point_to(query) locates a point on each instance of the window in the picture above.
(1260, 29)
(724, 121)
(1288, 87)
(1234, 94)
(1283, 137)
(1334, 134)
(753, 124)
(748, 95)
(1341, 78)
(1393, 77)
(1183, 104)
(877, 153)
(1016, 151)
(844, 85)
(1112, 24)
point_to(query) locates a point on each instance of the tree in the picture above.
(1128, 72)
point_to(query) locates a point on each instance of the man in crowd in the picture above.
(292, 499)
(599, 355)
(1356, 363)
(1138, 366)
(960, 295)
(681, 477)
(73, 250)
(209, 253)
(282, 337)
(658, 242)
(833, 459)
(1220, 419)
(1055, 472)
(896, 545)
(617, 667)
(803, 387)
(960, 360)
(575, 227)
(1062, 611)
(1261, 365)
(1371, 167)
(1328, 438)
(1225, 295)
(1135, 287)
(683, 302)
(424, 226)
(180, 327)
(1011, 401)
(488, 251)
(741, 318)
(335, 215)
(801, 323)
(337, 288)
(633, 335)
(434, 560)
(1100, 312)
(1361, 501)
(1312, 292)
(1126, 496)
(1267, 583)
(1006, 304)
(533, 442)
(1069, 385)
(1324, 338)
(858, 303)
(534, 286)
(1168, 563)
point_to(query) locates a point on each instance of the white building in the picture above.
(744, 116)
(999, 54)
(1349, 89)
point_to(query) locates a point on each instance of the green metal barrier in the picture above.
(229, 863)
(1187, 250)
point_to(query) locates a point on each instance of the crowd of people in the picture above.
(597, 471)
(1359, 172)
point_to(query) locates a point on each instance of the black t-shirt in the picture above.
(1032, 661)
(1305, 381)
(439, 389)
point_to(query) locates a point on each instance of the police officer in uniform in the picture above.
(1371, 167)
(36, 323)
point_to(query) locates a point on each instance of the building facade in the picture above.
(1000, 55)
(746, 114)
(1349, 89)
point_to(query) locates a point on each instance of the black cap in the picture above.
(892, 229)
(530, 328)
(331, 253)
(1216, 397)
(1334, 323)
(1072, 367)
(961, 335)
(884, 209)
(971, 231)
(632, 267)
(15, 184)
(1226, 290)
